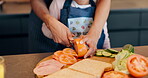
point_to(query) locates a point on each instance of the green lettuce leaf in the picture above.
(120, 63)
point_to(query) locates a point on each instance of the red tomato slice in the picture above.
(114, 74)
(137, 65)
(67, 59)
(70, 51)
(55, 57)
(57, 54)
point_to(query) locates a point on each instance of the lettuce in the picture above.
(120, 63)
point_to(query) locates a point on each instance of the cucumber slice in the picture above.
(129, 47)
(99, 54)
(113, 55)
(106, 54)
(112, 51)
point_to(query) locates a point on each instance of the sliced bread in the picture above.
(68, 73)
(93, 67)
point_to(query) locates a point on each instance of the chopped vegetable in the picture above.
(113, 55)
(67, 59)
(107, 54)
(99, 53)
(112, 51)
(137, 65)
(128, 47)
(121, 60)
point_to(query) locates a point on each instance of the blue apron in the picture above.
(69, 12)
(39, 43)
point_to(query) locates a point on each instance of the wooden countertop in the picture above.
(21, 66)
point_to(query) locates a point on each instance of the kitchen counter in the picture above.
(21, 66)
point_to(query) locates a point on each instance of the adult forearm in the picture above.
(101, 15)
(39, 7)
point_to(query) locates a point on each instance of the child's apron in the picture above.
(39, 43)
(79, 20)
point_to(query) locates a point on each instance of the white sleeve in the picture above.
(46, 31)
(53, 9)
(107, 40)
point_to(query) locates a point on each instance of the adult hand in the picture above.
(91, 39)
(60, 33)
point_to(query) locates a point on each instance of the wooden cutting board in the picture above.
(104, 59)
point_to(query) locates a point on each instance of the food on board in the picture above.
(85, 68)
(114, 74)
(112, 51)
(93, 67)
(66, 56)
(81, 49)
(129, 47)
(120, 63)
(70, 52)
(68, 73)
(67, 59)
(48, 67)
(57, 54)
(126, 62)
(107, 53)
(137, 65)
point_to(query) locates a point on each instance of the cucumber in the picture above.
(113, 55)
(129, 47)
(112, 51)
(99, 53)
(106, 54)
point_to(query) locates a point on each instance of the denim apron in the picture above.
(79, 20)
(39, 43)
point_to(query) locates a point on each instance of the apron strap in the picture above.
(93, 4)
(67, 3)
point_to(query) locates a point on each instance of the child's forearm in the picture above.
(101, 15)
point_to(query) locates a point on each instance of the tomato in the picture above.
(81, 49)
(70, 51)
(55, 57)
(67, 59)
(57, 54)
(137, 65)
(114, 74)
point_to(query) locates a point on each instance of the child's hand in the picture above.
(91, 41)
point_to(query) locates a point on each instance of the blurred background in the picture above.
(127, 24)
